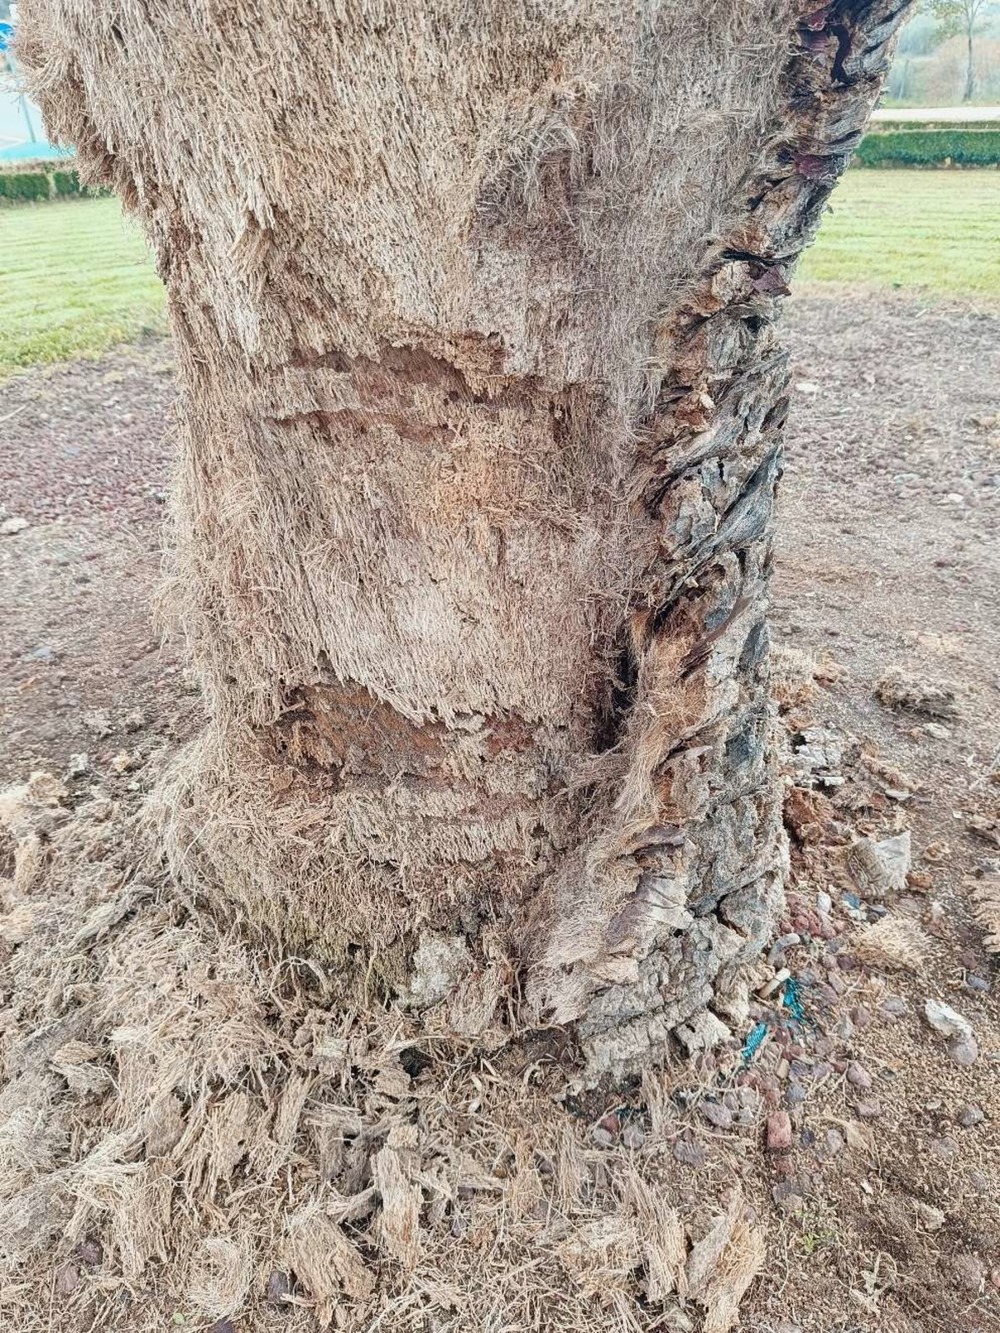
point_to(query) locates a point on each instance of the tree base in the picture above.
(286, 863)
(197, 1126)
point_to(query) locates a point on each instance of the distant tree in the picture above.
(920, 35)
(961, 16)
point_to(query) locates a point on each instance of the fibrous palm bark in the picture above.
(480, 418)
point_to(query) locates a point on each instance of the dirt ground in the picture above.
(883, 1209)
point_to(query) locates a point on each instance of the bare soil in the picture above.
(884, 1212)
(84, 459)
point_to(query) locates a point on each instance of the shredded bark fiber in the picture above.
(191, 1125)
(481, 418)
(480, 431)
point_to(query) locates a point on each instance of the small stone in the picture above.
(279, 1288)
(795, 1093)
(779, 1131)
(894, 1006)
(899, 794)
(986, 827)
(858, 1076)
(67, 1278)
(859, 1137)
(673, 1319)
(861, 1017)
(748, 1101)
(135, 720)
(79, 765)
(98, 723)
(690, 1153)
(937, 731)
(944, 1149)
(910, 906)
(964, 1050)
(602, 1137)
(834, 1142)
(717, 1114)
(869, 1110)
(122, 762)
(970, 1116)
(90, 1252)
(837, 984)
(769, 1088)
(10, 527)
(970, 1272)
(932, 1218)
(43, 653)
(633, 1135)
(677, 1320)
(222, 1326)
(945, 1020)
(787, 1194)
(976, 985)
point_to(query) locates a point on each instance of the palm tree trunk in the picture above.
(480, 426)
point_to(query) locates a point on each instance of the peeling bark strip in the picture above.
(480, 438)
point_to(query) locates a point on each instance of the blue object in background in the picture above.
(21, 133)
(33, 150)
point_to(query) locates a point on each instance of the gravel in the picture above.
(779, 1132)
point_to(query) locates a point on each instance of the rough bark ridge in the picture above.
(481, 414)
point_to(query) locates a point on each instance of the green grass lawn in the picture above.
(934, 230)
(75, 278)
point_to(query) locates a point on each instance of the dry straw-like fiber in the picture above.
(201, 1108)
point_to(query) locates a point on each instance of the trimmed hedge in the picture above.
(35, 182)
(24, 186)
(955, 146)
(67, 183)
